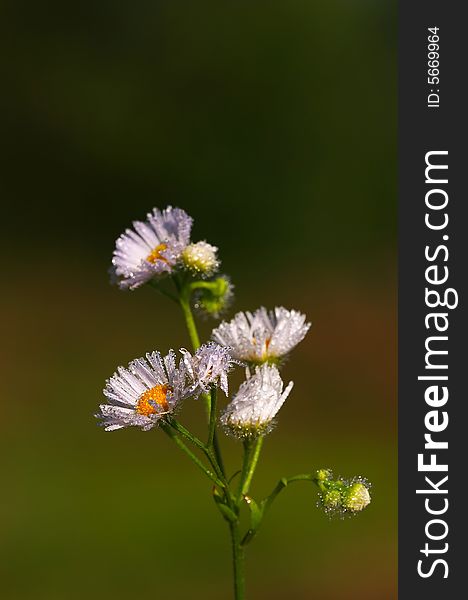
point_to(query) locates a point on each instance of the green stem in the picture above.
(217, 452)
(186, 433)
(192, 456)
(245, 468)
(202, 285)
(282, 483)
(251, 459)
(212, 450)
(184, 301)
(210, 455)
(237, 562)
(189, 320)
(268, 501)
(213, 416)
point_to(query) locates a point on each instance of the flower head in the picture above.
(262, 336)
(152, 248)
(143, 393)
(208, 367)
(201, 259)
(252, 410)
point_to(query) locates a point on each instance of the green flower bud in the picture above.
(331, 500)
(201, 259)
(324, 474)
(356, 497)
(214, 297)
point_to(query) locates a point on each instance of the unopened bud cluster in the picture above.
(215, 297)
(340, 497)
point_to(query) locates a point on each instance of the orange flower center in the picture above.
(155, 396)
(155, 254)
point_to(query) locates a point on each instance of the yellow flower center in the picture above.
(156, 395)
(155, 254)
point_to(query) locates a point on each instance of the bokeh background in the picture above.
(273, 124)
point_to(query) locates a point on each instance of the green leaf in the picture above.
(256, 512)
(227, 513)
(225, 510)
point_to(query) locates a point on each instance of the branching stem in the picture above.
(175, 438)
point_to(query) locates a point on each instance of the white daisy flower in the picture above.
(143, 393)
(252, 410)
(208, 366)
(152, 248)
(262, 336)
(201, 259)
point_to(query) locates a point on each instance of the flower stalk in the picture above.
(252, 450)
(237, 562)
(184, 300)
(213, 417)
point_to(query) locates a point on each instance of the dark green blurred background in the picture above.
(273, 124)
